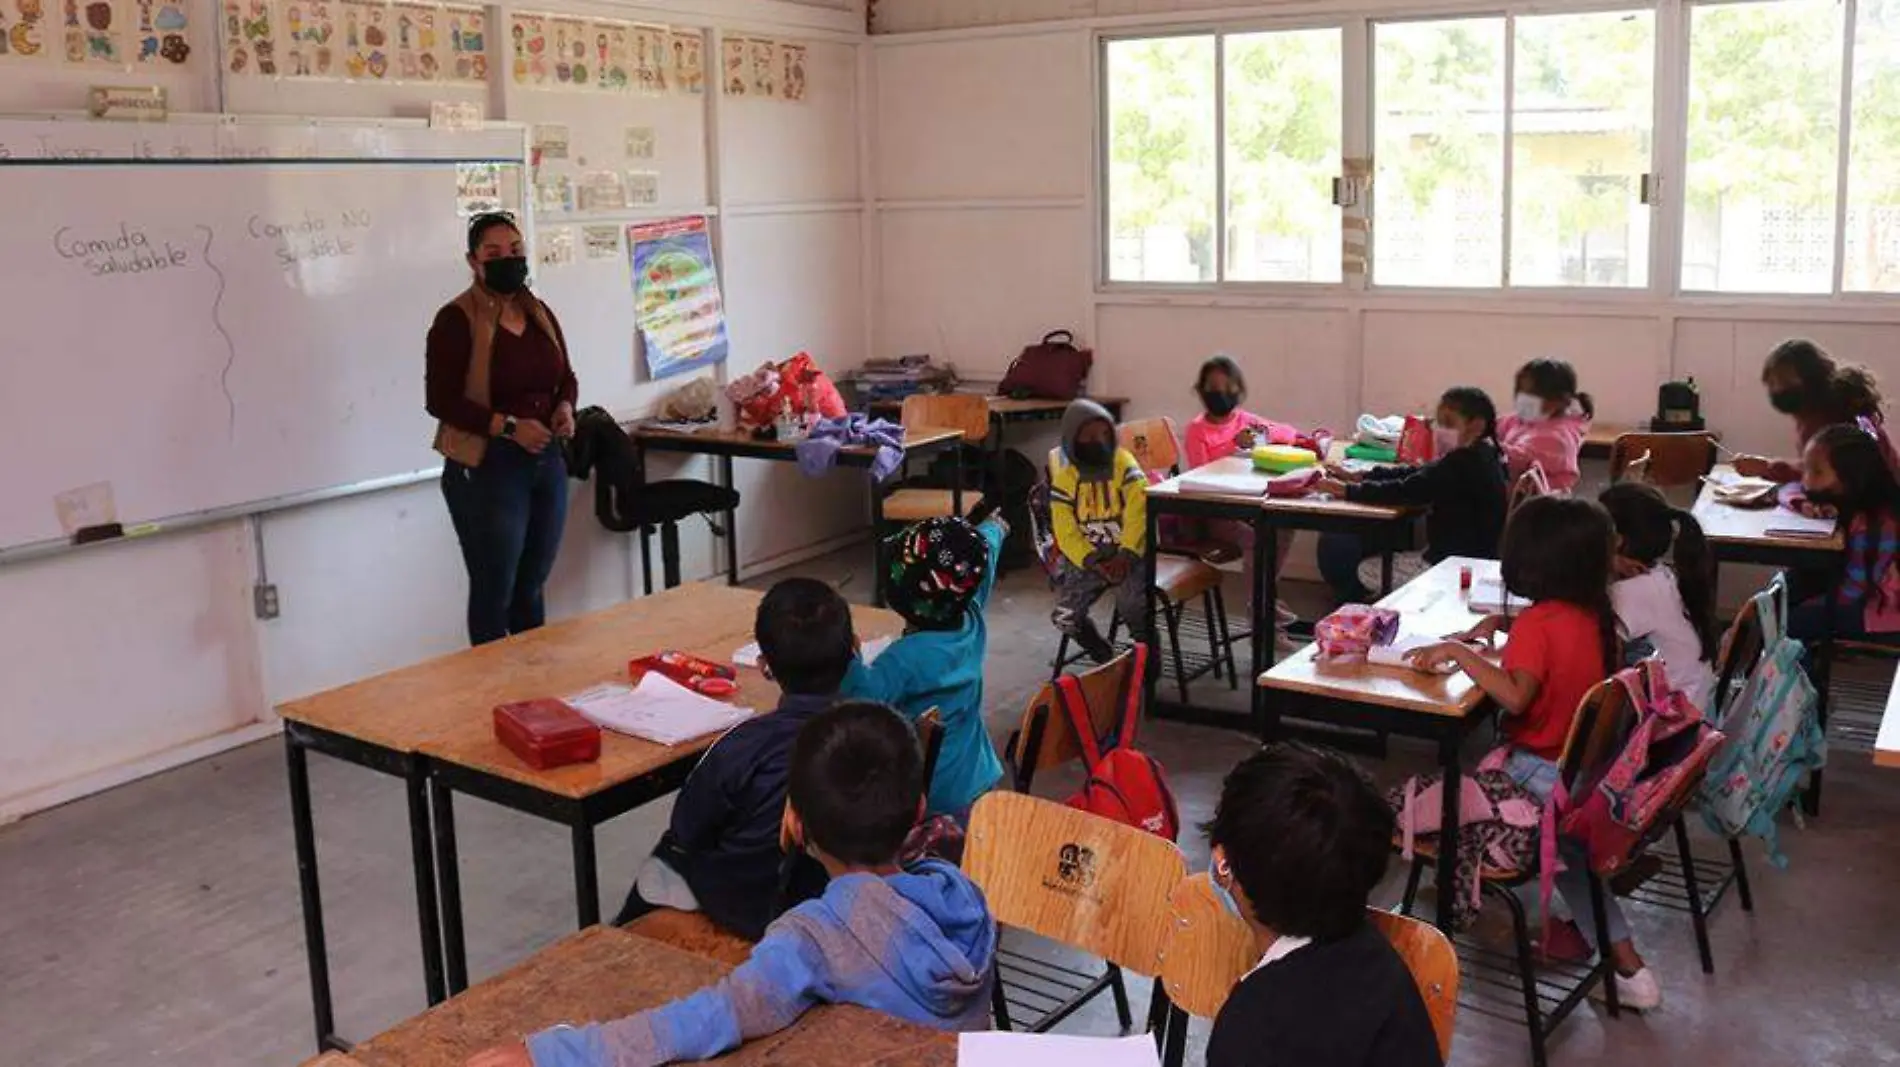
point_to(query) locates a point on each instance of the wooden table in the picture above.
(1600, 439)
(1441, 708)
(1740, 535)
(432, 724)
(1268, 516)
(1007, 411)
(334, 1059)
(727, 444)
(602, 974)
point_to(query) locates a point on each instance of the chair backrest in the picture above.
(930, 739)
(965, 412)
(1662, 459)
(1529, 486)
(1094, 885)
(1045, 738)
(1740, 650)
(1429, 955)
(1604, 717)
(1153, 444)
(1210, 949)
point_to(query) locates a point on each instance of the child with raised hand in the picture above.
(917, 943)
(1557, 553)
(1845, 473)
(1667, 603)
(1464, 487)
(938, 576)
(1098, 508)
(1300, 839)
(1810, 387)
(1222, 429)
(1547, 424)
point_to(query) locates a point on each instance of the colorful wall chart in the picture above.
(676, 301)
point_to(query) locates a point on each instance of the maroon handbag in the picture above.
(1051, 369)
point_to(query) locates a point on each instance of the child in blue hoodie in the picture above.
(939, 577)
(916, 943)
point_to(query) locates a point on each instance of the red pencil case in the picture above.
(701, 675)
(546, 733)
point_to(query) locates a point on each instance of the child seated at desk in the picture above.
(1300, 840)
(1464, 487)
(916, 943)
(1807, 385)
(939, 576)
(1845, 473)
(720, 853)
(1548, 421)
(1098, 509)
(1223, 429)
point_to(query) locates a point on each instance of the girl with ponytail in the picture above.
(1664, 594)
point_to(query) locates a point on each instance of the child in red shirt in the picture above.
(1557, 553)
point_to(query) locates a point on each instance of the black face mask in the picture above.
(1219, 403)
(1093, 453)
(1786, 401)
(507, 276)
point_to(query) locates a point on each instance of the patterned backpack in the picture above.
(1498, 822)
(1775, 738)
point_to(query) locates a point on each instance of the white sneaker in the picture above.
(1284, 614)
(1639, 991)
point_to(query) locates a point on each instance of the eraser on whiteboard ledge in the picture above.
(105, 531)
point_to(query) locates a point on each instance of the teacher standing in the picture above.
(500, 384)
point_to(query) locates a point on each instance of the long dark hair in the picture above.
(1473, 403)
(1839, 392)
(1553, 379)
(1559, 548)
(1868, 488)
(1651, 527)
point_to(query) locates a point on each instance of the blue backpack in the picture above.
(1774, 735)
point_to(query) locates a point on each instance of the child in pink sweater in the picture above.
(1221, 430)
(1548, 424)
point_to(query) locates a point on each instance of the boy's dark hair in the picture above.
(804, 631)
(1473, 403)
(1560, 548)
(1839, 392)
(856, 780)
(1225, 364)
(1554, 379)
(1307, 837)
(479, 226)
(1650, 527)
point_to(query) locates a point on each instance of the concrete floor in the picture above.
(159, 923)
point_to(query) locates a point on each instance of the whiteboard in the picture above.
(217, 314)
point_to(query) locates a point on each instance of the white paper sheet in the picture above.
(1005, 1049)
(658, 710)
(1393, 655)
(1788, 524)
(1487, 597)
(747, 655)
(1236, 483)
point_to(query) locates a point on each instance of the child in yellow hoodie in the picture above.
(1098, 507)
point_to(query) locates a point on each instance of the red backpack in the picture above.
(1124, 784)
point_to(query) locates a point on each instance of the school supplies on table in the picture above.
(658, 709)
(1487, 597)
(1801, 528)
(1002, 1048)
(1354, 630)
(1279, 459)
(700, 675)
(747, 655)
(1394, 654)
(1372, 453)
(1223, 479)
(546, 733)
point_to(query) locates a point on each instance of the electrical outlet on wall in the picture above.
(264, 596)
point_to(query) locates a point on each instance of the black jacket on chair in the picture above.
(623, 499)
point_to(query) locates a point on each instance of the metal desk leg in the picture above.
(303, 830)
(1446, 878)
(586, 880)
(877, 543)
(732, 525)
(956, 479)
(1150, 551)
(449, 875)
(417, 783)
(1266, 594)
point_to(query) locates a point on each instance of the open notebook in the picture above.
(658, 709)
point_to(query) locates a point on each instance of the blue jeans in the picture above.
(1538, 776)
(1339, 559)
(508, 515)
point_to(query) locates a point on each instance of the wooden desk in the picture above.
(1267, 515)
(432, 725)
(1887, 742)
(604, 973)
(1601, 438)
(1006, 411)
(726, 445)
(1440, 708)
(334, 1059)
(1740, 535)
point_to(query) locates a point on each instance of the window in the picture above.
(1579, 129)
(1261, 108)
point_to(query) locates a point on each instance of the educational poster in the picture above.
(528, 45)
(602, 190)
(366, 40)
(477, 188)
(641, 142)
(791, 72)
(653, 57)
(310, 39)
(417, 41)
(95, 31)
(555, 246)
(571, 66)
(250, 38)
(676, 301)
(554, 193)
(762, 57)
(688, 57)
(733, 74)
(613, 55)
(161, 28)
(467, 55)
(645, 77)
(603, 242)
(643, 188)
(549, 141)
(23, 29)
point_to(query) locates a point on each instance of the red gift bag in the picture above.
(1415, 442)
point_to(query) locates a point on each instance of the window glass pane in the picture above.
(1872, 247)
(1438, 163)
(1764, 128)
(1581, 119)
(1161, 194)
(1282, 148)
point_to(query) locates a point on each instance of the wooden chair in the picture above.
(1045, 738)
(968, 413)
(1529, 486)
(1210, 949)
(1091, 884)
(1664, 460)
(930, 739)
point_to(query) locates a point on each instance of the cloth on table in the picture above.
(818, 452)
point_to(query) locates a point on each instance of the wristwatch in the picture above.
(508, 425)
